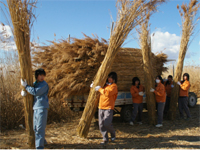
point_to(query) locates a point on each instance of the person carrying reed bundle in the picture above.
(183, 96)
(40, 106)
(160, 99)
(137, 92)
(168, 86)
(108, 96)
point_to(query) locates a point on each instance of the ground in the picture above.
(178, 134)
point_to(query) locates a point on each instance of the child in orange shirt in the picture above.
(160, 99)
(137, 92)
(183, 96)
(108, 95)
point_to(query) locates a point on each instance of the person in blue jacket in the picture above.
(40, 106)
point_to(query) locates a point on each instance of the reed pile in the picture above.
(71, 67)
(188, 14)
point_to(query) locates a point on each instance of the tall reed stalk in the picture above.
(21, 13)
(145, 44)
(130, 14)
(188, 14)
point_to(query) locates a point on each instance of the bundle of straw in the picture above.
(21, 16)
(145, 44)
(188, 15)
(71, 67)
(129, 16)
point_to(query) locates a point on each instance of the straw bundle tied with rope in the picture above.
(189, 22)
(21, 13)
(129, 15)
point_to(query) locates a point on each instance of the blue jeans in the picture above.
(39, 125)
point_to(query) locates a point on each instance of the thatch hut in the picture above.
(71, 67)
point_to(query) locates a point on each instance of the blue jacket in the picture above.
(40, 93)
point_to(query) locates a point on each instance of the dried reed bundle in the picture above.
(21, 16)
(188, 15)
(130, 14)
(71, 74)
(145, 44)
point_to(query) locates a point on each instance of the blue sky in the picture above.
(64, 17)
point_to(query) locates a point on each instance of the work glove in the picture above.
(152, 90)
(97, 88)
(179, 83)
(172, 86)
(91, 85)
(141, 93)
(23, 93)
(23, 83)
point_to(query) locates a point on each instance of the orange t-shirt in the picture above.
(184, 88)
(135, 94)
(108, 96)
(160, 93)
(168, 88)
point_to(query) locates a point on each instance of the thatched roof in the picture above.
(71, 67)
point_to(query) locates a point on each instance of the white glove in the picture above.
(152, 90)
(172, 86)
(91, 85)
(23, 83)
(179, 83)
(97, 88)
(23, 93)
(141, 93)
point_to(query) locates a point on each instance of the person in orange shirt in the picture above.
(137, 92)
(108, 96)
(183, 96)
(168, 86)
(160, 99)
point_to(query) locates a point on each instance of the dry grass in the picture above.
(12, 106)
(145, 44)
(71, 67)
(178, 134)
(129, 15)
(188, 15)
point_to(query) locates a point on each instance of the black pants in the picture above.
(167, 105)
(183, 105)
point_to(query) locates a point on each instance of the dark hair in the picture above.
(39, 71)
(188, 76)
(135, 79)
(112, 75)
(161, 80)
(169, 76)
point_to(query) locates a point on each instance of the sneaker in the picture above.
(159, 125)
(139, 122)
(131, 123)
(104, 143)
(113, 139)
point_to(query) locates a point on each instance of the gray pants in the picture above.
(137, 109)
(105, 123)
(160, 110)
(183, 105)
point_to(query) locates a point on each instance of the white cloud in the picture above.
(7, 42)
(167, 43)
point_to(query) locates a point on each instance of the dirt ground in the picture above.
(179, 134)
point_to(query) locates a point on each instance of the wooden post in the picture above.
(20, 16)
